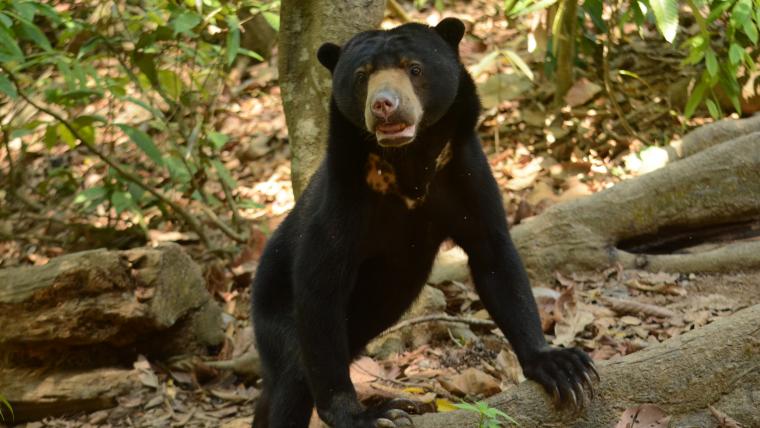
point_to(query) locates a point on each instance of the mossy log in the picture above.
(717, 365)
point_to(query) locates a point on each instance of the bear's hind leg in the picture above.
(290, 403)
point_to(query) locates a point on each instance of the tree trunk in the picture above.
(305, 84)
(564, 44)
(717, 365)
(71, 329)
(647, 222)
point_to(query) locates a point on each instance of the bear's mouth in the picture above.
(395, 134)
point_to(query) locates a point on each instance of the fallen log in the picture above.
(717, 365)
(86, 316)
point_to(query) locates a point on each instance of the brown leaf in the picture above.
(581, 92)
(634, 307)
(644, 416)
(471, 382)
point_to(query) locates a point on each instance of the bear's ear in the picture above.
(328, 55)
(452, 30)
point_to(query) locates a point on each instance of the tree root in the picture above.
(717, 365)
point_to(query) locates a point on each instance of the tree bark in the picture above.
(718, 185)
(564, 41)
(305, 84)
(717, 365)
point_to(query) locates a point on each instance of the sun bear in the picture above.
(404, 170)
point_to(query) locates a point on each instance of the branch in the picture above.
(446, 318)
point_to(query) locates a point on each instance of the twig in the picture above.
(445, 318)
(237, 237)
(611, 95)
(191, 221)
(399, 11)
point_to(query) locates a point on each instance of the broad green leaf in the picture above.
(65, 134)
(224, 173)
(711, 61)
(6, 20)
(750, 30)
(170, 83)
(144, 142)
(9, 50)
(741, 13)
(713, 108)
(31, 32)
(273, 19)
(666, 17)
(233, 39)
(735, 53)
(7, 87)
(184, 22)
(218, 139)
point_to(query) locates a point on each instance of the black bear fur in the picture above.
(348, 261)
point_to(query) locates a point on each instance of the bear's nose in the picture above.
(384, 103)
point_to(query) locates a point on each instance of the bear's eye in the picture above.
(360, 75)
(415, 70)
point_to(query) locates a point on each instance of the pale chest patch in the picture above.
(381, 177)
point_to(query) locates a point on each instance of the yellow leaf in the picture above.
(444, 405)
(414, 390)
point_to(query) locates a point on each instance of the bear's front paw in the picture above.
(564, 373)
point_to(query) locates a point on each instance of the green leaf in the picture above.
(666, 17)
(91, 196)
(272, 19)
(31, 32)
(695, 98)
(153, 110)
(233, 39)
(184, 22)
(713, 108)
(741, 13)
(9, 50)
(7, 404)
(171, 83)
(539, 5)
(252, 54)
(735, 53)
(224, 173)
(594, 10)
(65, 134)
(177, 170)
(7, 87)
(218, 139)
(51, 136)
(750, 30)
(144, 142)
(122, 201)
(712, 62)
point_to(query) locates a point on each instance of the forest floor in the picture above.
(540, 156)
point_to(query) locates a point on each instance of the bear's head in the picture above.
(396, 83)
